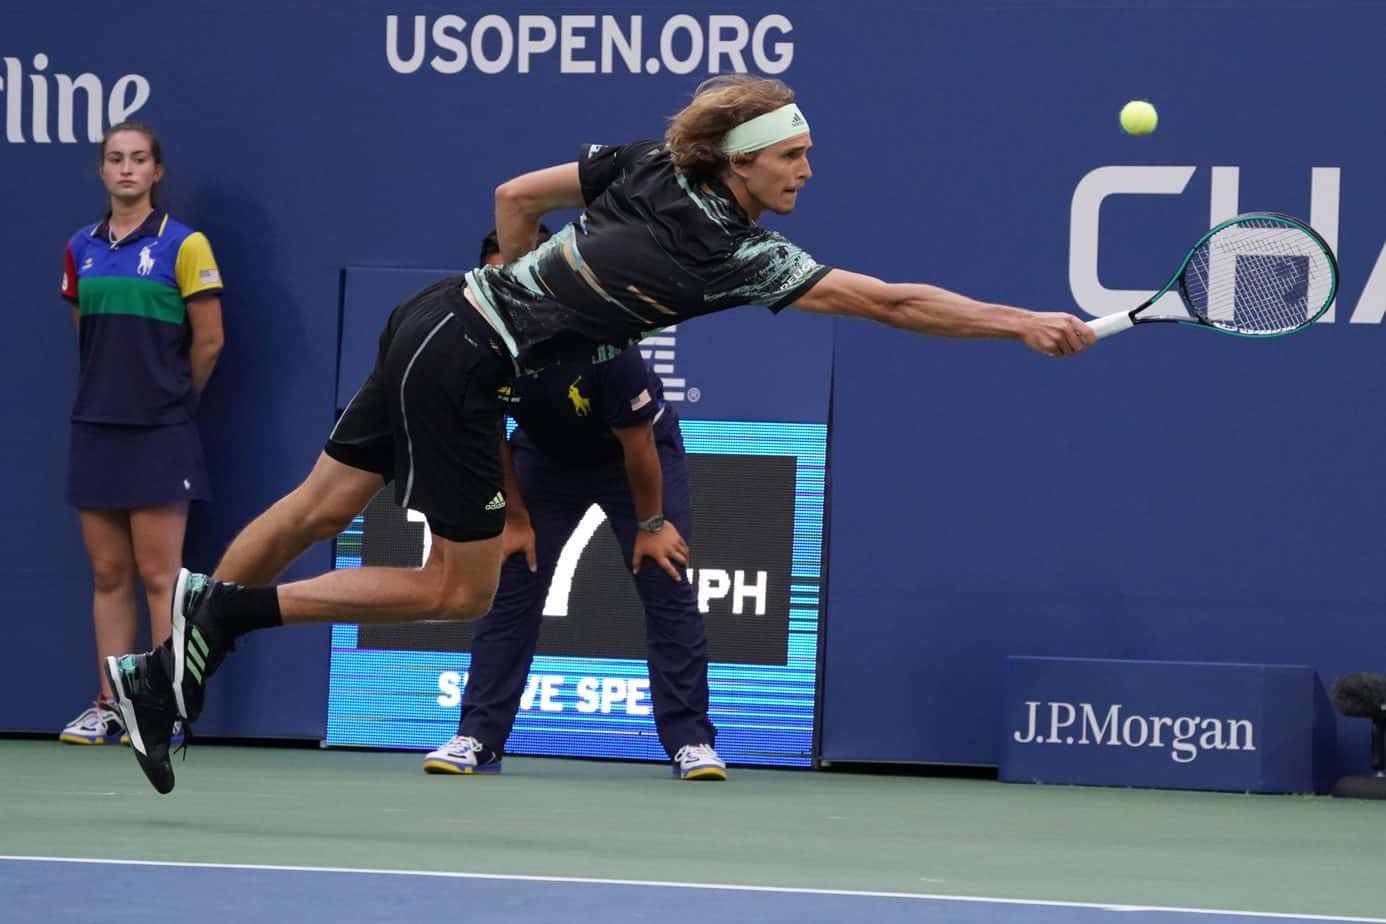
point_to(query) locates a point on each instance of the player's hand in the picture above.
(664, 548)
(1054, 333)
(518, 536)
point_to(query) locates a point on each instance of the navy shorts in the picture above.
(115, 467)
(428, 417)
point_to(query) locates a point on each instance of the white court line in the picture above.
(583, 880)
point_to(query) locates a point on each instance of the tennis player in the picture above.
(668, 232)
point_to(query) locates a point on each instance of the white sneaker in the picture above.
(699, 762)
(462, 755)
(99, 723)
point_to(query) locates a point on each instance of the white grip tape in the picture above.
(1110, 324)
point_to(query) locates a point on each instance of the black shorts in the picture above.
(429, 416)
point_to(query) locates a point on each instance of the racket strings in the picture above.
(1259, 276)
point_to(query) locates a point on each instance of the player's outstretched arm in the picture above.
(925, 309)
(521, 202)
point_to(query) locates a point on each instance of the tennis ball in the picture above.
(1138, 117)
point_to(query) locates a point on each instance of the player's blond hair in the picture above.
(719, 104)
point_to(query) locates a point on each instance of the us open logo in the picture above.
(589, 44)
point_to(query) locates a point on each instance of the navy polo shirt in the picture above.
(133, 338)
(568, 411)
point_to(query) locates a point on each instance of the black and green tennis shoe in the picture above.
(198, 643)
(144, 696)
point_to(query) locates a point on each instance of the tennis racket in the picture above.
(1261, 274)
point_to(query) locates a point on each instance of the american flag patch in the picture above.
(208, 276)
(640, 400)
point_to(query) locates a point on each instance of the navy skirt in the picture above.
(112, 467)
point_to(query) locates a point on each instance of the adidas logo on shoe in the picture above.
(497, 502)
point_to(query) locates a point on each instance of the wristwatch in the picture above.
(653, 525)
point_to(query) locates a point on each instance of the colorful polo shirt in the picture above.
(134, 334)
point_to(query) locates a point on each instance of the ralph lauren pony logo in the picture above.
(146, 261)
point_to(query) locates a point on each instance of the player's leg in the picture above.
(457, 582)
(357, 460)
(675, 635)
(318, 509)
(432, 424)
(432, 402)
(503, 646)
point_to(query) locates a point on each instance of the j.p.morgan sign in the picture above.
(1171, 724)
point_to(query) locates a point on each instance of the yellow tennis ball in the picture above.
(1138, 117)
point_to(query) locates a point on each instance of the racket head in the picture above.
(1260, 274)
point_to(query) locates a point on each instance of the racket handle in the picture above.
(1110, 324)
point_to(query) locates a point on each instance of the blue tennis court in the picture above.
(248, 893)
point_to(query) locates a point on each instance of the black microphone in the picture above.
(1361, 695)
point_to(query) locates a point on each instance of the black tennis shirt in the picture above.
(652, 248)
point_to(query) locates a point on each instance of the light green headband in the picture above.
(765, 130)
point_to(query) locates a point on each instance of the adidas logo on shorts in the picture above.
(497, 502)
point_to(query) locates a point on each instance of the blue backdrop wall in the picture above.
(1169, 495)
